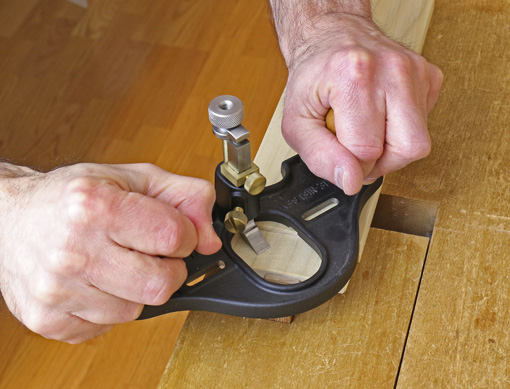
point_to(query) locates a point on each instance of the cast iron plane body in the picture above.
(236, 289)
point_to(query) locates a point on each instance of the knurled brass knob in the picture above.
(255, 183)
(236, 220)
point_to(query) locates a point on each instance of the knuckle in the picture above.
(366, 152)
(413, 150)
(200, 191)
(160, 287)
(83, 200)
(158, 290)
(66, 263)
(207, 190)
(420, 63)
(169, 237)
(319, 164)
(317, 161)
(357, 62)
(420, 69)
(130, 312)
(47, 290)
(39, 322)
(399, 61)
(149, 168)
(422, 149)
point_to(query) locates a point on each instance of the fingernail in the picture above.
(369, 180)
(339, 177)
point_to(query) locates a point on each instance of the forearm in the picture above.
(8, 170)
(12, 183)
(299, 21)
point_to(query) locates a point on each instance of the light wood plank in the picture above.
(407, 23)
(413, 21)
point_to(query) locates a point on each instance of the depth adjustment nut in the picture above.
(226, 111)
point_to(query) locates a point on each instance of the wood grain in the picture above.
(68, 98)
(334, 345)
(324, 347)
(101, 85)
(460, 333)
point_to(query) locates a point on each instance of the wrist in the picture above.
(11, 183)
(300, 24)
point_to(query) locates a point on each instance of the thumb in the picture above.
(323, 154)
(195, 198)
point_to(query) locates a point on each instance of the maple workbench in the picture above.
(129, 81)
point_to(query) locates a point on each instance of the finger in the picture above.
(407, 139)
(435, 83)
(136, 277)
(96, 306)
(208, 240)
(71, 294)
(59, 325)
(130, 219)
(193, 197)
(78, 331)
(360, 114)
(150, 226)
(322, 153)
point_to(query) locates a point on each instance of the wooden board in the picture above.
(308, 352)
(460, 332)
(335, 345)
(290, 259)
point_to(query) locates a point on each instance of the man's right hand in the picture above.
(86, 246)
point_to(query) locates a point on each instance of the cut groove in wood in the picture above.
(401, 214)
